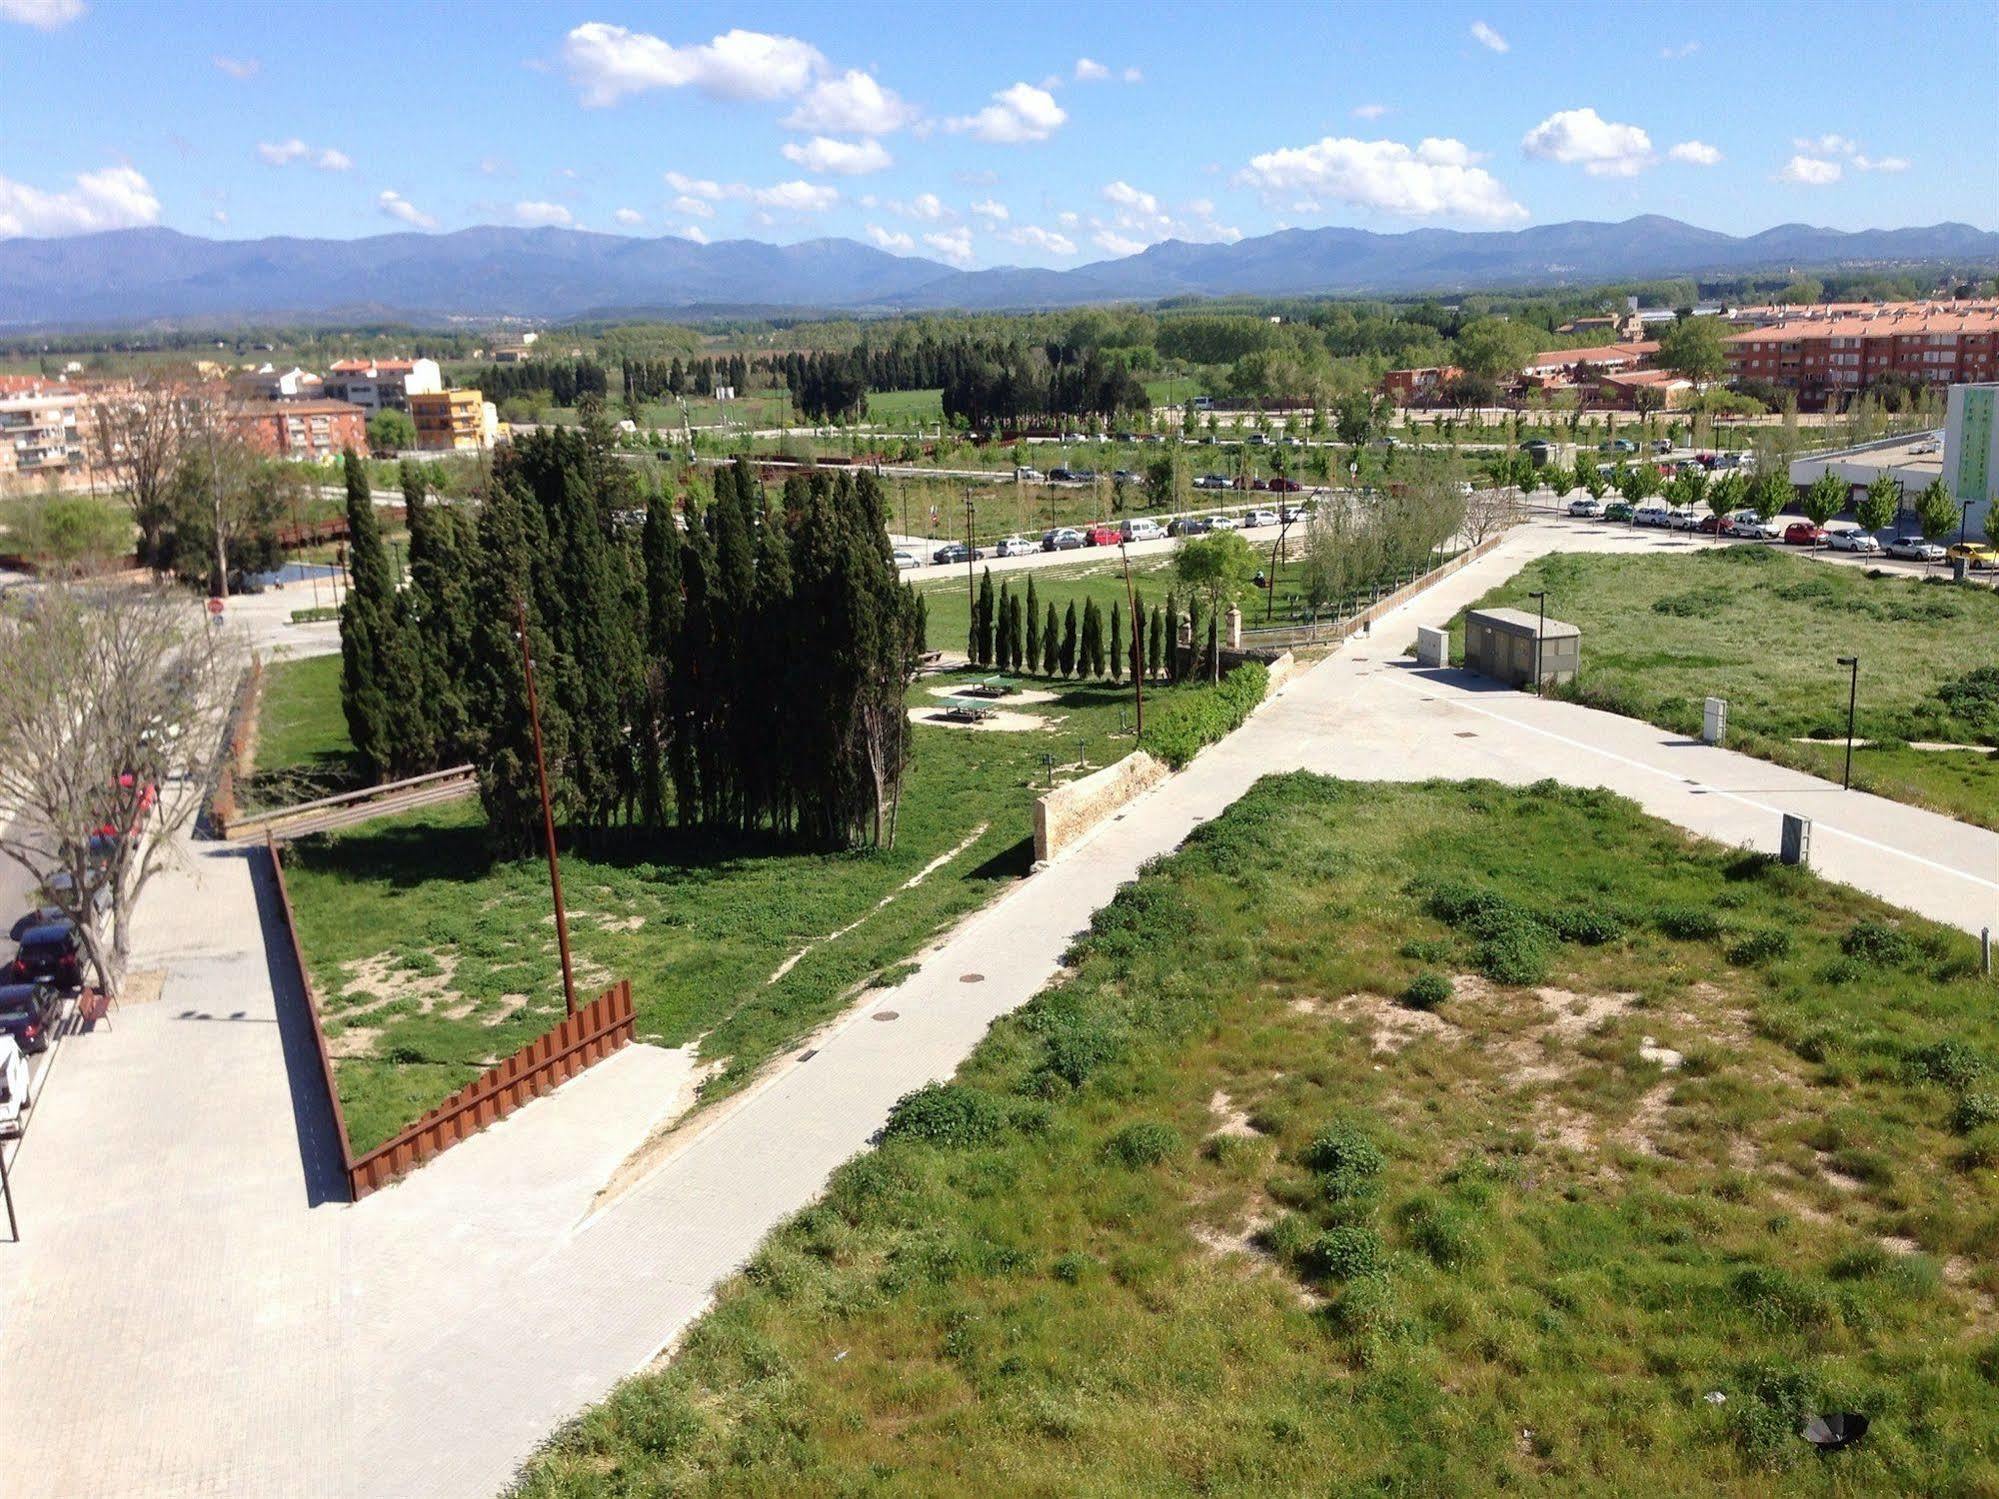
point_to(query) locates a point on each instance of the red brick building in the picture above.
(1415, 387)
(1841, 354)
(301, 429)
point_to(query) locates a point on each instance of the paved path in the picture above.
(189, 1315)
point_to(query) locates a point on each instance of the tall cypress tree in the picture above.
(1172, 631)
(659, 552)
(1002, 651)
(378, 680)
(982, 621)
(1155, 649)
(1051, 642)
(433, 614)
(1033, 627)
(1069, 641)
(1015, 633)
(1117, 641)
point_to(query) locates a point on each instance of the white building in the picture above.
(42, 443)
(382, 384)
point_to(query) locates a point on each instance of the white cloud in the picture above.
(795, 197)
(543, 215)
(688, 204)
(927, 206)
(1486, 37)
(1034, 237)
(219, 215)
(975, 177)
(1089, 70)
(1685, 49)
(852, 104)
(629, 216)
(992, 211)
(694, 187)
(396, 206)
(1369, 111)
(1434, 180)
(1811, 171)
(1881, 163)
(43, 15)
(1117, 244)
(891, 239)
(955, 245)
(1124, 195)
(238, 67)
(1827, 145)
(1695, 153)
(1068, 218)
(284, 153)
(608, 62)
(114, 198)
(1017, 115)
(1132, 75)
(331, 160)
(1583, 138)
(694, 232)
(824, 155)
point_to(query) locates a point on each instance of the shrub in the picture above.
(1687, 923)
(1083, 1047)
(1145, 1143)
(1349, 1252)
(1586, 925)
(1185, 723)
(1516, 956)
(1781, 1298)
(1877, 942)
(1343, 1150)
(1753, 948)
(947, 1114)
(1949, 1062)
(1427, 991)
(1973, 1111)
(1765, 1416)
(1071, 1267)
(1445, 1232)
(1426, 949)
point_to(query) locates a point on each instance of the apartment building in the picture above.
(1608, 359)
(1838, 354)
(316, 430)
(450, 421)
(381, 384)
(44, 442)
(1417, 387)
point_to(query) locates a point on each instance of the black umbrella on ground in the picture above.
(1830, 1433)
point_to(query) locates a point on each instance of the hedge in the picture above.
(1185, 723)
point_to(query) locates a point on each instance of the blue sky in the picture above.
(1027, 135)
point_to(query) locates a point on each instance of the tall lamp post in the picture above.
(1963, 518)
(1540, 598)
(1852, 663)
(547, 811)
(971, 555)
(1137, 643)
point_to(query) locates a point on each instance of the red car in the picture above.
(1803, 534)
(1103, 534)
(1285, 486)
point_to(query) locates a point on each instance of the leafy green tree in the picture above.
(1640, 482)
(1051, 643)
(1015, 632)
(1218, 567)
(1491, 349)
(665, 608)
(1694, 348)
(1937, 514)
(1726, 495)
(1770, 491)
(378, 681)
(1070, 641)
(1877, 508)
(434, 614)
(1823, 498)
(391, 432)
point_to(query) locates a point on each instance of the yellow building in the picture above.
(453, 420)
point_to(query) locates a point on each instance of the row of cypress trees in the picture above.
(734, 667)
(1012, 633)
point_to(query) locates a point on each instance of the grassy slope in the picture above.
(1763, 629)
(302, 746)
(699, 930)
(1024, 1302)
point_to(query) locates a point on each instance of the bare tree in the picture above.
(138, 439)
(109, 729)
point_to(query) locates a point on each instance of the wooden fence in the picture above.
(591, 1034)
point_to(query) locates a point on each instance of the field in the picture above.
(303, 751)
(431, 959)
(1432, 1139)
(1765, 630)
(903, 408)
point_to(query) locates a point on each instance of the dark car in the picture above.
(39, 916)
(1062, 475)
(1282, 485)
(1188, 525)
(1618, 510)
(28, 1013)
(48, 953)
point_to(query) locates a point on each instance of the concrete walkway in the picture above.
(189, 1315)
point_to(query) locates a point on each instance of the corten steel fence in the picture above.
(574, 1043)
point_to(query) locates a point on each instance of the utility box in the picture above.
(1797, 845)
(1714, 720)
(1500, 643)
(1433, 647)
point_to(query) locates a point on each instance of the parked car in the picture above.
(1212, 481)
(906, 558)
(1974, 554)
(1662, 445)
(1742, 523)
(42, 915)
(28, 1013)
(1083, 475)
(1618, 510)
(1257, 518)
(1289, 514)
(1713, 525)
(1685, 519)
(1123, 437)
(1915, 549)
(1188, 525)
(1027, 474)
(1652, 513)
(1223, 523)
(1617, 445)
(1802, 533)
(1852, 539)
(1124, 476)
(1063, 539)
(1103, 534)
(1586, 507)
(957, 551)
(49, 954)
(1143, 528)
(1060, 476)
(1282, 485)
(14, 1098)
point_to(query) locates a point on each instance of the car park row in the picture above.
(1790, 530)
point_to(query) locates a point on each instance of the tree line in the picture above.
(733, 667)
(1015, 629)
(565, 380)
(663, 379)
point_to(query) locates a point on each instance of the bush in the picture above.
(1347, 1253)
(1877, 942)
(1973, 1111)
(1343, 1150)
(1765, 1416)
(1586, 925)
(1146, 1143)
(1446, 1232)
(1427, 991)
(1687, 923)
(949, 1114)
(1516, 956)
(1951, 1063)
(1185, 723)
(1753, 948)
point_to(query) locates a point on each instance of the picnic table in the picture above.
(989, 687)
(966, 713)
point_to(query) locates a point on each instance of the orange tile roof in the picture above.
(362, 366)
(1907, 321)
(1595, 354)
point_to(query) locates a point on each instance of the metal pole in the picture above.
(7, 1191)
(971, 553)
(1540, 599)
(1137, 635)
(1852, 699)
(547, 812)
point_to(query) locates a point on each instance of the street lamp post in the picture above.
(971, 552)
(1540, 598)
(1852, 663)
(1963, 519)
(547, 811)
(1137, 647)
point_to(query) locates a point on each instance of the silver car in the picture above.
(1855, 540)
(1915, 549)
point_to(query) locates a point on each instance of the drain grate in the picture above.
(971, 978)
(885, 1015)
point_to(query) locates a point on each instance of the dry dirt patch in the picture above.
(1391, 1026)
(999, 721)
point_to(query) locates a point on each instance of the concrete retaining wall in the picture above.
(1068, 812)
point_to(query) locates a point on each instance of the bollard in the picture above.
(1797, 846)
(1985, 950)
(1714, 720)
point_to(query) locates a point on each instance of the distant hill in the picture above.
(133, 275)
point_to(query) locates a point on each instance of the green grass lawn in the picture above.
(1764, 630)
(1223, 1214)
(432, 960)
(303, 751)
(901, 407)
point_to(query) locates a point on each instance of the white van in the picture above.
(1144, 528)
(13, 1086)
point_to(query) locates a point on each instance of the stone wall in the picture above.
(1068, 812)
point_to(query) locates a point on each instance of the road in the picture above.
(190, 1315)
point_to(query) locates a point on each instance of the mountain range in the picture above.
(143, 275)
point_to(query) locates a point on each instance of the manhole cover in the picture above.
(885, 1015)
(971, 978)
(1467, 734)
